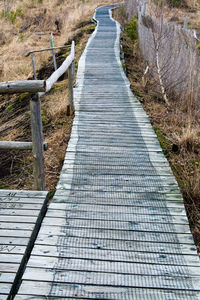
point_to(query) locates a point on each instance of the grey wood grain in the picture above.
(37, 141)
(32, 86)
(117, 226)
(17, 234)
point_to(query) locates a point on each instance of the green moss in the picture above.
(198, 47)
(9, 107)
(90, 29)
(138, 94)
(60, 123)
(23, 96)
(21, 37)
(59, 86)
(45, 120)
(162, 139)
(176, 3)
(3, 185)
(51, 194)
(64, 55)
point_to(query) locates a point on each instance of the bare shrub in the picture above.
(7, 5)
(171, 54)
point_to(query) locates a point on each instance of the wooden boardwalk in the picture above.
(117, 228)
(20, 217)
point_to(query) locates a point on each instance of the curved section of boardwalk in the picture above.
(117, 228)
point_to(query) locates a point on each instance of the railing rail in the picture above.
(38, 88)
(14, 87)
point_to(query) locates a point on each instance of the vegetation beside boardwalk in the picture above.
(74, 18)
(177, 126)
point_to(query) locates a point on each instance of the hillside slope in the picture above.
(27, 25)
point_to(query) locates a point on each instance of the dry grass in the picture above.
(41, 18)
(177, 15)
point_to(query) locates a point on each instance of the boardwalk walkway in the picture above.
(21, 213)
(117, 228)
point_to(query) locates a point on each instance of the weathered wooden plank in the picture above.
(9, 267)
(116, 244)
(11, 258)
(3, 297)
(138, 188)
(18, 219)
(7, 277)
(92, 292)
(21, 194)
(17, 234)
(178, 209)
(4, 289)
(107, 279)
(13, 249)
(87, 265)
(16, 226)
(6, 204)
(13, 241)
(98, 292)
(123, 256)
(119, 235)
(112, 220)
(19, 212)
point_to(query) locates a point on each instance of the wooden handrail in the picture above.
(15, 145)
(14, 87)
(60, 71)
(38, 88)
(45, 49)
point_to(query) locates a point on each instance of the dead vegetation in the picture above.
(74, 19)
(27, 25)
(177, 127)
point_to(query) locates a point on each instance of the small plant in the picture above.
(21, 37)
(45, 120)
(19, 12)
(11, 16)
(198, 47)
(176, 3)
(9, 107)
(132, 30)
(23, 96)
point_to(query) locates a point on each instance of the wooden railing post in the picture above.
(70, 107)
(71, 69)
(37, 141)
(53, 52)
